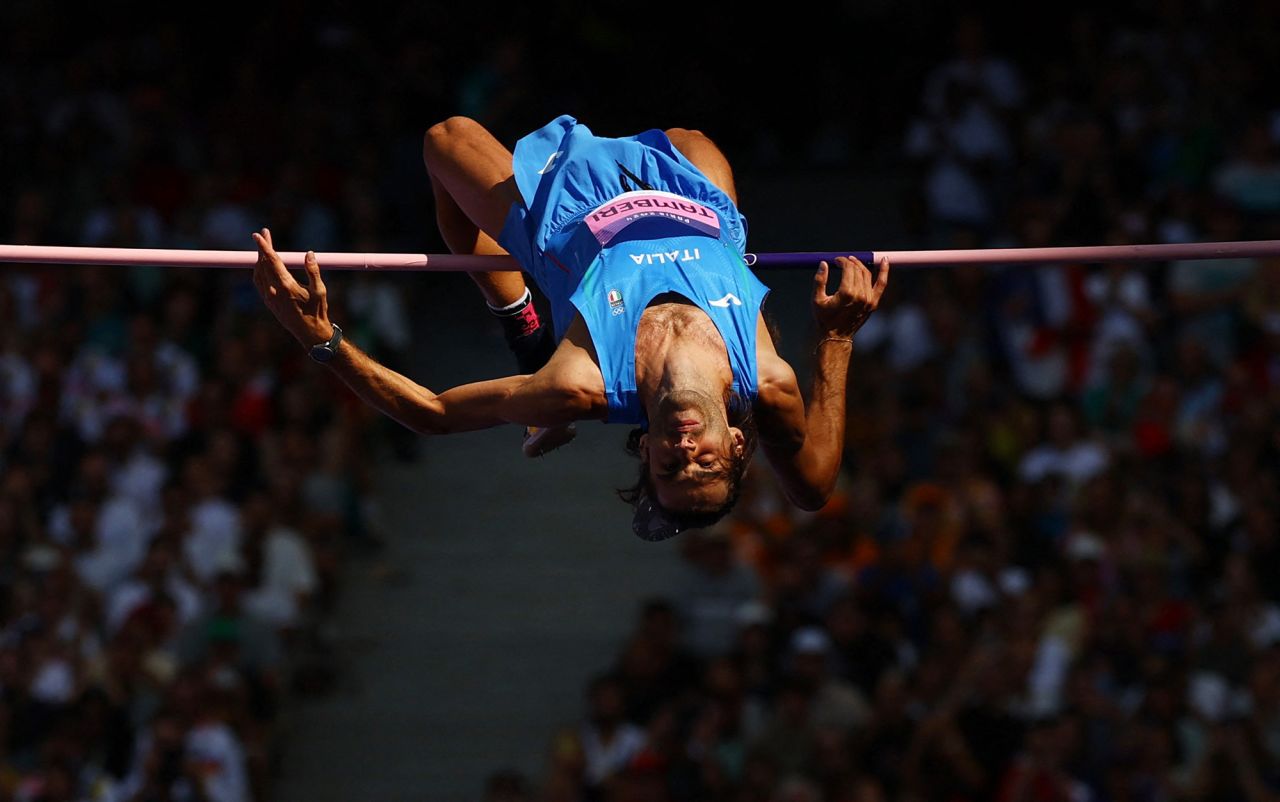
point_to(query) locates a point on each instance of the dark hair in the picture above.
(738, 413)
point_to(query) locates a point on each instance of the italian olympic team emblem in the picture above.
(615, 302)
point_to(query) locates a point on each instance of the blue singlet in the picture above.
(609, 223)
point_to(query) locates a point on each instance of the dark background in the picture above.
(1049, 570)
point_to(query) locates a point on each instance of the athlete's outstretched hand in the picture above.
(304, 311)
(843, 312)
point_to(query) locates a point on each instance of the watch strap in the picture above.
(327, 350)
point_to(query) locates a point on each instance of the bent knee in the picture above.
(440, 135)
(685, 135)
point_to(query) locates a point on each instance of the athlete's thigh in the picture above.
(698, 148)
(475, 168)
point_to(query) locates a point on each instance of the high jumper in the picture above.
(638, 244)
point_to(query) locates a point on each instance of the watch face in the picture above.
(321, 353)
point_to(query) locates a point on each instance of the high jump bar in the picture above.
(162, 257)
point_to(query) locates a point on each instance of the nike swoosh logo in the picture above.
(550, 159)
(726, 300)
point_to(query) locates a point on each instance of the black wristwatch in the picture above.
(325, 351)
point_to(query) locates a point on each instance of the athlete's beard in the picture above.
(710, 411)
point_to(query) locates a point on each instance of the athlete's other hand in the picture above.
(304, 311)
(843, 312)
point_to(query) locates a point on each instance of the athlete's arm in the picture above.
(539, 399)
(805, 445)
(545, 398)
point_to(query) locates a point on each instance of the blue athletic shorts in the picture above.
(564, 171)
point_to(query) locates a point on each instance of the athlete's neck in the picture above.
(680, 354)
(683, 369)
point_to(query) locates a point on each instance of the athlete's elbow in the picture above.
(579, 403)
(430, 419)
(813, 497)
(811, 501)
(567, 401)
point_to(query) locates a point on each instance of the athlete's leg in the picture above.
(460, 232)
(473, 182)
(706, 156)
(474, 186)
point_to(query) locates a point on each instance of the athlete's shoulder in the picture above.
(779, 405)
(776, 378)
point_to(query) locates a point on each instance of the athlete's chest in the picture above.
(670, 318)
(663, 326)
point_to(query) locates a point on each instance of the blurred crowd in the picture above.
(180, 487)
(1050, 571)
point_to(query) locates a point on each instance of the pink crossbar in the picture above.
(59, 255)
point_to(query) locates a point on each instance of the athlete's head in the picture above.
(691, 462)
